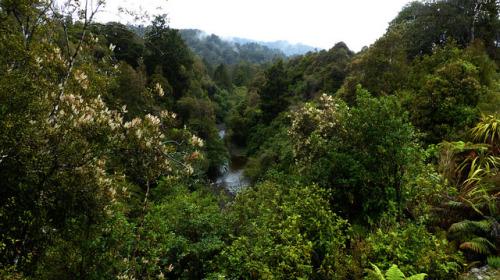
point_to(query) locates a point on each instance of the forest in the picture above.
(377, 164)
(215, 50)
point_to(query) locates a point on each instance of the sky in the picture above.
(318, 23)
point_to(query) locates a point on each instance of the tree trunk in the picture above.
(142, 222)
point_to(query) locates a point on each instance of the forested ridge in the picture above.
(381, 164)
(215, 50)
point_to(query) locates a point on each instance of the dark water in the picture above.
(231, 177)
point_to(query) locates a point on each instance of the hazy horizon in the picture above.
(317, 23)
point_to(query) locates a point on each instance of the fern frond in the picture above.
(454, 204)
(478, 245)
(420, 276)
(394, 273)
(484, 241)
(470, 226)
(374, 274)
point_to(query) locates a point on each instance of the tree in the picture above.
(363, 154)
(128, 46)
(318, 72)
(166, 49)
(430, 23)
(382, 69)
(66, 159)
(446, 89)
(222, 77)
(274, 92)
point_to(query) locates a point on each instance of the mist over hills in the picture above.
(288, 48)
(230, 50)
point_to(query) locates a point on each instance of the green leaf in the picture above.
(478, 245)
(470, 226)
(393, 273)
(420, 276)
(374, 274)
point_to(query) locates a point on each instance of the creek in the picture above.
(231, 176)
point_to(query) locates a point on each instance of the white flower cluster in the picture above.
(313, 125)
(159, 89)
(97, 132)
(55, 55)
(81, 79)
(195, 141)
(154, 120)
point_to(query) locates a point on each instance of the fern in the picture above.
(454, 204)
(470, 226)
(478, 245)
(374, 274)
(420, 276)
(472, 232)
(393, 273)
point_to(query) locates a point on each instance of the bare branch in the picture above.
(87, 22)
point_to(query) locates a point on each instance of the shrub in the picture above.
(413, 249)
(283, 230)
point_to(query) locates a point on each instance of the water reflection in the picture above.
(231, 177)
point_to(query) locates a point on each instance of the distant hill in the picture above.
(216, 50)
(288, 48)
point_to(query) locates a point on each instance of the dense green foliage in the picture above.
(294, 234)
(363, 154)
(380, 165)
(413, 249)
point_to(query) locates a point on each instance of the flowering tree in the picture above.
(66, 159)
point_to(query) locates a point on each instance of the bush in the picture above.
(414, 250)
(283, 230)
